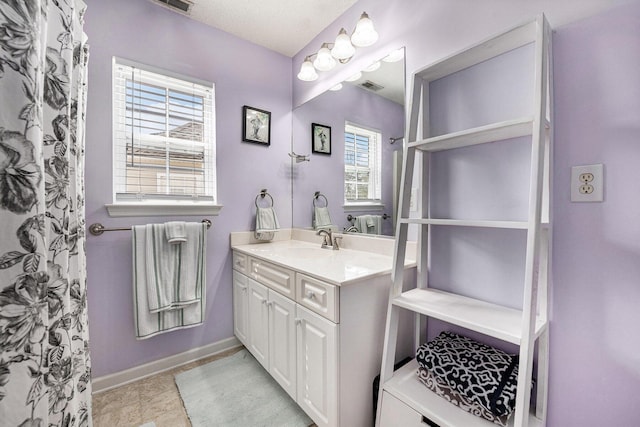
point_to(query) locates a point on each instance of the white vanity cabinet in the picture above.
(282, 341)
(317, 373)
(321, 339)
(264, 321)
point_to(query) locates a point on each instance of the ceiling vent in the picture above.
(369, 85)
(180, 6)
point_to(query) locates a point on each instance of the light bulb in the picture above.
(342, 48)
(336, 87)
(307, 72)
(353, 78)
(324, 61)
(372, 67)
(364, 33)
(394, 56)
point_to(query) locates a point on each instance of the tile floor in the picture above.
(155, 398)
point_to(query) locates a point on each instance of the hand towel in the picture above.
(321, 218)
(266, 223)
(368, 224)
(176, 232)
(187, 272)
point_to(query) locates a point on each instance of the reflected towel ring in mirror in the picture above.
(262, 194)
(315, 198)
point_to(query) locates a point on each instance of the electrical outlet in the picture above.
(587, 183)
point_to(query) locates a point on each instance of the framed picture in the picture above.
(320, 138)
(256, 126)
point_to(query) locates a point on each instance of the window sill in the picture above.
(162, 209)
(359, 207)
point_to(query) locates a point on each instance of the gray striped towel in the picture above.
(168, 280)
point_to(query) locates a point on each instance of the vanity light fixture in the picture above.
(355, 77)
(394, 56)
(324, 61)
(364, 35)
(307, 71)
(372, 67)
(341, 50)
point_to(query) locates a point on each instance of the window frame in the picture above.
(375, 170)
(127, 204)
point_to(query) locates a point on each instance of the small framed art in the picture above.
(320, 138)
(256, 125)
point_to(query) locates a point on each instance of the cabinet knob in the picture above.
(298, 321)
(310, 295)
(270, 304)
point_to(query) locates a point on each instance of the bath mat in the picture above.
(237, 391)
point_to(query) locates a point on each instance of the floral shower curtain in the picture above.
(44, 359)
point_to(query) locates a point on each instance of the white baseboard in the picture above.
(118, 379)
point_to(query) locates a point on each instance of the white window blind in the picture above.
(362, 165)
(163, 136)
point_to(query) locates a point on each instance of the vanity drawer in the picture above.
(318, 296)
(278, 278)
(240, 262)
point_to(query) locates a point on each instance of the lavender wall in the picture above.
(595, 362)
(326, 173)
(244, 74)
(595, 345)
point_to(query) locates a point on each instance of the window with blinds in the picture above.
(163, 136)
(362, 165)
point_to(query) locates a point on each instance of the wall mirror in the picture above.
(365, 117)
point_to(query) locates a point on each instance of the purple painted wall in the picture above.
(595, 347)
(244, 74)
(326, 173)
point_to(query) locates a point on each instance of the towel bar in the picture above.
(351, 217)
(97, 229)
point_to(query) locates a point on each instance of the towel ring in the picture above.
(315, 198)
(262, 194)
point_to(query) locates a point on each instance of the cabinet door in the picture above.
(282, 341)
(317, 367)
(241, 307)
(258, 322)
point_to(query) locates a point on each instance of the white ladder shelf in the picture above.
(526, 327)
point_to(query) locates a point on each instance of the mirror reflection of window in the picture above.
(362, 164)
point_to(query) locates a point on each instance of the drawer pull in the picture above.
(311, 295)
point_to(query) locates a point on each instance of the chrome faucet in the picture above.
(336, 247)
(327, 242)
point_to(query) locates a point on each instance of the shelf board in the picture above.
(406, 386)
(518, 36)
(490, 319)
(519, 225)
(478, 135)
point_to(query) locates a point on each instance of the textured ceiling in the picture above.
(285, 26)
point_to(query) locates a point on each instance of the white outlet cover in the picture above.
(598, 183)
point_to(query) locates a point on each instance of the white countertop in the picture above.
(341, 267)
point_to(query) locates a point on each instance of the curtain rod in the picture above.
(97, 229)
